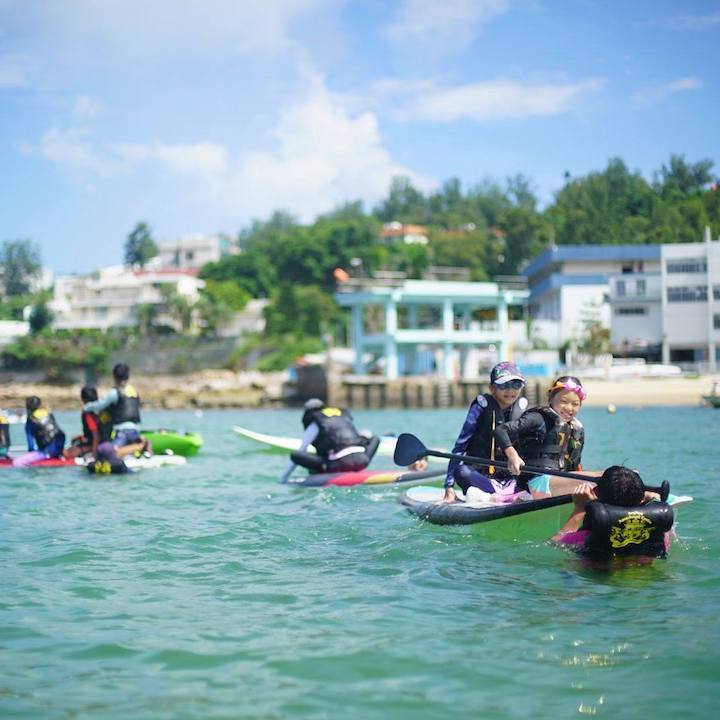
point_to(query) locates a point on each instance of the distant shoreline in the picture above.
(225, 389)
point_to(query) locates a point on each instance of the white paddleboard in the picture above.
(387, 442)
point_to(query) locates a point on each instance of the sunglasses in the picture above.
(510, 385)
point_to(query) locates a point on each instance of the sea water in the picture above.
(210, 591)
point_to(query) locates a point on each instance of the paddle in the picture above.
(409, 448)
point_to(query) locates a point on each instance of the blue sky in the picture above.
(198, 116)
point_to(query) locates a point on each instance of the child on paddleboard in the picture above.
(338, 444)
(45, 439)
(487, 411)
(123, 405)
(549, 437)
(96, 428)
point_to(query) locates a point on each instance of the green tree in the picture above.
(252, 270)
(19, 266)
(227, 293)
(180, 309)
(301, 311)
(41, 317)
(404, 203)
(146, 317)
(140, 246)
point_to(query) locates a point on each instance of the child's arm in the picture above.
(584, 493)
(508, 433)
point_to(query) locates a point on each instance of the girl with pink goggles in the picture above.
(568, 382)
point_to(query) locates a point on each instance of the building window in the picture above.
(697, 293)
(716, 321)
(716, 292)
(620, 288)
(631, 311)
(640, 287)
(626, 269)
(690, 265)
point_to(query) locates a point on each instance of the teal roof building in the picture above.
(402, 320)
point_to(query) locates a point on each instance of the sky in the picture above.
(198, 116)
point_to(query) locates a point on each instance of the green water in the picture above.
(209, 591)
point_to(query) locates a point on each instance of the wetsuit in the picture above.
(339, 446)
(543, 439)
(476, 438)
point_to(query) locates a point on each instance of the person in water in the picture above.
(617, 517)
(45, 439)
(123, 404)
(550, 436)
(96, 428)
(487, 411)
(339, 446)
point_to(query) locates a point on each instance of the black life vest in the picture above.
(43, 427)
(616, 530)
(4, 433)
(116, 466)
(557, 446)
(483, 443)
(127, 407)
(336, 429)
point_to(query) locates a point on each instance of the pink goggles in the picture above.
(570, 385)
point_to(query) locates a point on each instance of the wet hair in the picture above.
(32, 403)
(559, 385)
(89, 394)
(619, 485)
(121, 372)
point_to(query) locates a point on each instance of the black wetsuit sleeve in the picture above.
(509, 433)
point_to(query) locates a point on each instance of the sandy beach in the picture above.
(226, 389)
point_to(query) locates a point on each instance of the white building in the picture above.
(672, 313)
(191, 252)
(408, 234)
(111, 297)
(569, 285)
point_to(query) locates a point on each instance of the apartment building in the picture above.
(112, 296)
(672, 313)
(569, 285)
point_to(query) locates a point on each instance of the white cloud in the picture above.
(693, 22)
(490, 100)
(123, 29)
(317, 155)
(74, 150)
(199, 158)
(85, 107)
(323, 156)
(445, 24)
(659, 93)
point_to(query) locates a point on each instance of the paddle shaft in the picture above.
(503, 464)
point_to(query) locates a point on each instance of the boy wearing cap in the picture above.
(502, 404)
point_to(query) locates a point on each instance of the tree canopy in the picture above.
(19, 266)
(140, 246)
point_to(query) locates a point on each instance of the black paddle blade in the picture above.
(408, 449)
(664, 490)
